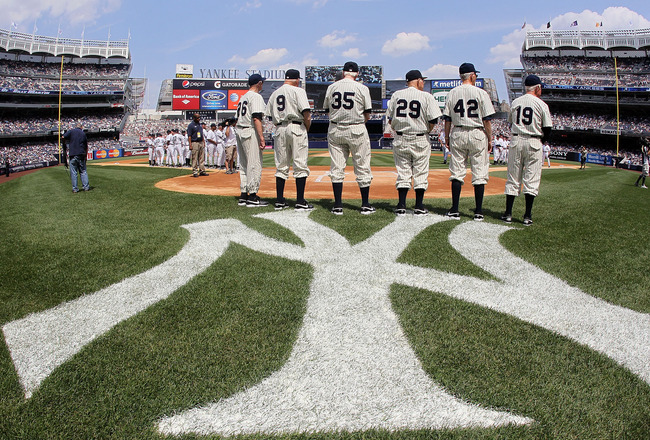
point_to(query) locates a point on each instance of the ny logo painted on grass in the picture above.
(351, 367)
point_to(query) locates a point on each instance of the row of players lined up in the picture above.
(412, 113)
(173, 149)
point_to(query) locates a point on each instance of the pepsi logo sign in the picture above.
(186, 84)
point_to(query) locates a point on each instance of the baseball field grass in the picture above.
(234, 324)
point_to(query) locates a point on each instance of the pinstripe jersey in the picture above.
(249, 104)
(467, 106)
(347, 100)
(528, 114)
(410, 111)
(287, 104)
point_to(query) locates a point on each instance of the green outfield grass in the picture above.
(235, 324)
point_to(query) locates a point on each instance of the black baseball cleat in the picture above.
(337, 210)
(453, 215)
(506, 218)
(528, 221)
(400, 210)
(280, 205)
(421, 210)
(203, 173)
(242, 200)
(478, 217)
(256, 202)
(367, 210)
(304, 206)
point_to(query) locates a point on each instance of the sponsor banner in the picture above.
(599, 159)
(233, 98)
(186, 99)
(558, 155)
(136, 152)
(440, 95)
(214, 99)
(605, 89)
(449, 84)
(209, 115)
(110, 153)
(184, 70)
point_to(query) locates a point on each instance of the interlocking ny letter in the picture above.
(351, 367)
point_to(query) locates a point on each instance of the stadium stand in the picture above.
(92, 78)
(580, 70)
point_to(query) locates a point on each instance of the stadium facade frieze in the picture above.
(238, 74)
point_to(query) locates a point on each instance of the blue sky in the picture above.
(432, 36)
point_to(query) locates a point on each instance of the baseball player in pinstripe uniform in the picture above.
(412, 114)
(468, 132)
(645, 163)
(349, 106)
(151, 149)
(531, 123)
(289, 110)
(159, 142)
(250, 141)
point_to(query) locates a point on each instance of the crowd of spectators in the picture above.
(579, 64)
(38, 152)
(67, 85)
(78, 71)
(45, 77)
(592, 72)
(586, 121)
(21, 125)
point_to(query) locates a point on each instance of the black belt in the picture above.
(400, 133)
(241, 126)
(342, 123)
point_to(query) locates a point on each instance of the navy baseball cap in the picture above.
(532, 80)
(255, 78)
(467, 68)
(292, 74)
(414, 74)
(351, 66)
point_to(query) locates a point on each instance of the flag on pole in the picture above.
(523, 25)
(14, 25)
(548, 25)
(575, 23)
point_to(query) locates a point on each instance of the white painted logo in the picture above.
(351, 367)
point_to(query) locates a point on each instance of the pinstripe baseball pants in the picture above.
(525, 162)
(469, 145)
(250, 160)
(291, 145)
(411, 154)
(345, 141)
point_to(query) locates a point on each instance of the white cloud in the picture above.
(74, 11)
(264, 57)
(405, 43)
(315, 3)
(354, 53)
(336, 39)
(508, 51)
(250, 6)
(441, 71)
